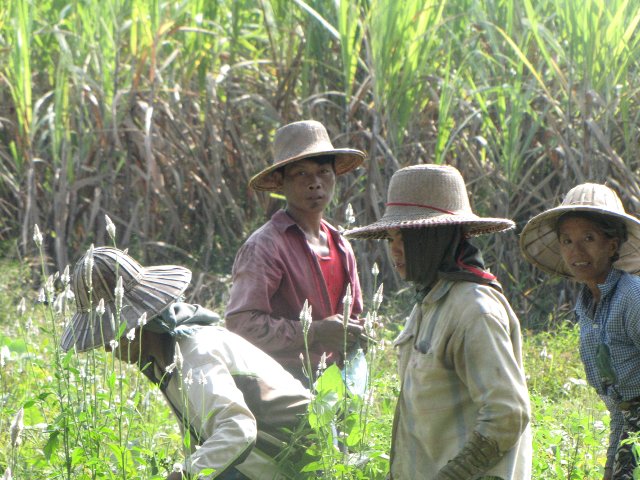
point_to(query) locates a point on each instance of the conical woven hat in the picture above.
(150, 290)
(539, 240)
(428, 196)
(300, 140)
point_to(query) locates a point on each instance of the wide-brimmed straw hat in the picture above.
(300, 140)
(429, 196)
(146, 290)
(539, 240)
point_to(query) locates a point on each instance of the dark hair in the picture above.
(610, 226)
(320, 160)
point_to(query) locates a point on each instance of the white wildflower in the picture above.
(111, 228)
(350, 218)
(188, 379)
(16, 428)
(375, 270)
(598, 425)
(113, 344)
(100, 309)
(347, 301)
(131, 335)
(41, 296)
(177, 467)
(48, 287)
(301, 357)
(68, 294)
(322, 365)
(37, 236)
(5, 354)
(544, 354)
(170, 368)
(22, 307)
(58, 305)
(368, 324)
(202, 379)
(305, 317)
(579, 382)
(65, 278)
(88, 268)
(119, 294)
(177, 357)
(142, 320)
(378, 297)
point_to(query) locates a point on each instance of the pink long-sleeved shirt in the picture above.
(274, 272)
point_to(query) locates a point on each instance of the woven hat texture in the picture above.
(146, 289)
(300, 140)
(427, 196)
(539, 242)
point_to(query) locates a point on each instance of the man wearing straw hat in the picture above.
(463, 410)
(236, 405)
(592, 240)
(298, 256)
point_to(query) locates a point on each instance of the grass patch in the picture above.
(86, 416)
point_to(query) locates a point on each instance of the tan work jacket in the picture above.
(460, 366)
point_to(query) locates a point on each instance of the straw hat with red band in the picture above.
(427, 196)
(297, 141)
(147, 290)
(539, 239)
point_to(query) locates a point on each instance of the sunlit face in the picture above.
(308, 185)
(586, 250)
(396, 247)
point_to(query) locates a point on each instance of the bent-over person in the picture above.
(241, 405)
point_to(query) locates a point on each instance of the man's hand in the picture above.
(330, 331)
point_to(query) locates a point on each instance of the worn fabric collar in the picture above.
(180, 319)
(585, 297)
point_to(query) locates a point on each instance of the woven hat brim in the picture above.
(157, 288)
(539, 241)
(473, 224)
(347, 159)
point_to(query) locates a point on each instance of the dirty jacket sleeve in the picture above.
(217, 413)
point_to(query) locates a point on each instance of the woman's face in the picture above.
(396, 246)
(586, 250)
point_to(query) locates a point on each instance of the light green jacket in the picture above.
(231, 395)
(460, 366)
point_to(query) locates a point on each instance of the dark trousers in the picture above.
(625, 461)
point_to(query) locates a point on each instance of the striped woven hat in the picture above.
(300, 140)
(150, 290)
(428, 196)
(539, 239)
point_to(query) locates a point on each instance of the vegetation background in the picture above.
(156, 113)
